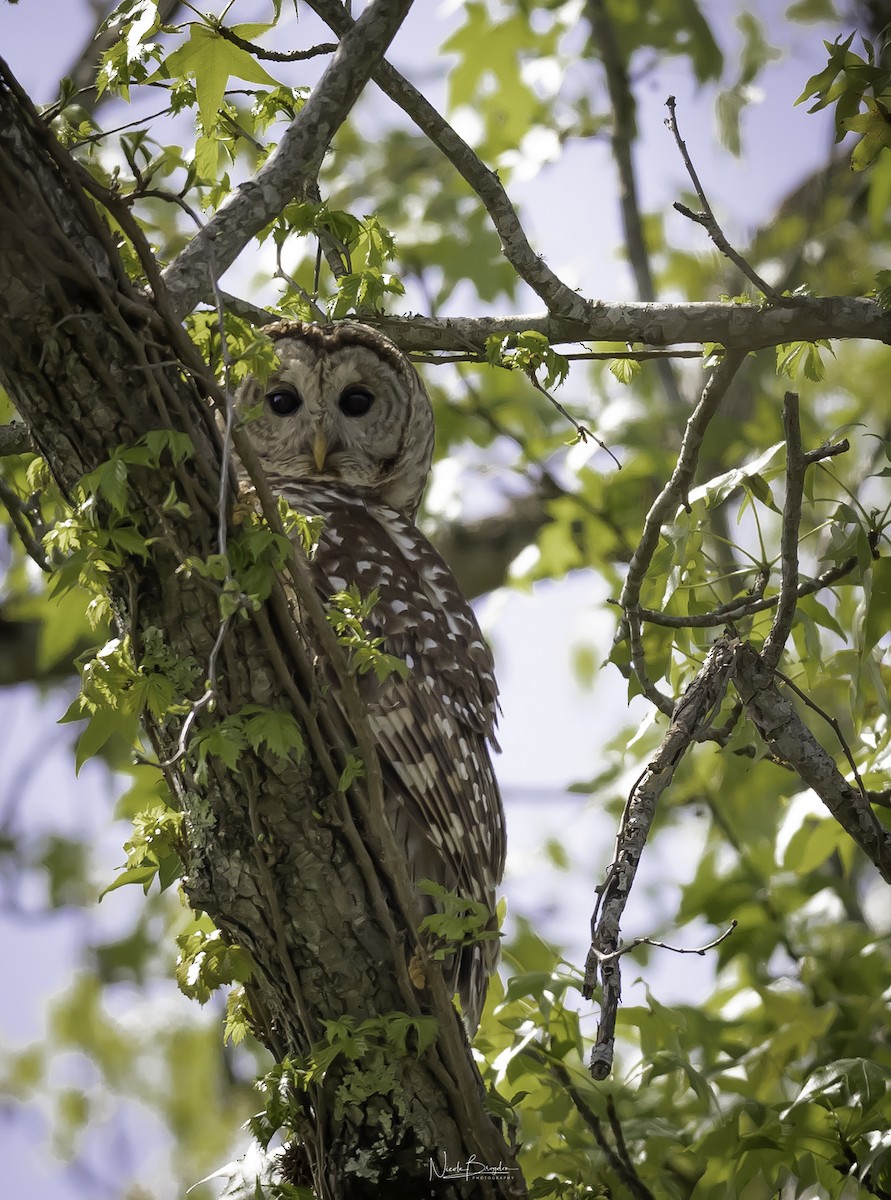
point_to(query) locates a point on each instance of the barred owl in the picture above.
(346, 432)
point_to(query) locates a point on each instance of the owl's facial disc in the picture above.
(344, 408)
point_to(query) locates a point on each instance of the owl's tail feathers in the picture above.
(473, 966)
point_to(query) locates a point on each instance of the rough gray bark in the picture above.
(746, 327)
(275, 854)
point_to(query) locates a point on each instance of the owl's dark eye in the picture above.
(283, 401)
(355, 401)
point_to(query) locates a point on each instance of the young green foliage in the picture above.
(347, 613)
(462, 921)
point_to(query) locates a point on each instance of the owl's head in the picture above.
(344, 406)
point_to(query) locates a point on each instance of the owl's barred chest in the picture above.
(421, 612)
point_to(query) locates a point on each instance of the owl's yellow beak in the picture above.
(319, 450)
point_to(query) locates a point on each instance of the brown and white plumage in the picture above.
(346, 432)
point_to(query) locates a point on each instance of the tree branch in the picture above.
(674, 492)
(618, 1160)
(709, 222)
(787, 736)
(741, 606)
(297, 159)
(278, 56)
(796, 465)
(622, 140)
(15, 438)
(734, 326)
(557, 296)
(692, 714)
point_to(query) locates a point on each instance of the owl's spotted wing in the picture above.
(432, 727)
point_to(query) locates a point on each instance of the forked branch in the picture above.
(789, 739)
(675, 492)
(189, 278)
(558, 297)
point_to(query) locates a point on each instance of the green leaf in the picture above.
(212, 61)
(795, 358)
(354, 769)
(715, 491)
(875, 126)
(819, 85)
(877, 621)
(626, 370)
(225, 741)
(278, 729)
(859, 1083)
(141, 875)
(237, 1025)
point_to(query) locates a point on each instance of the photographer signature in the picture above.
(471, 1169)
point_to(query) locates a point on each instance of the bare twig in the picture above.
(708, 221)
(796, 465)
(278, 56)
(629, 947)
(100, 134)
(22, 517)
(582, 431)
(833, 724)
(736, 610)
(622, 142)
(296, 159)
(556, 295)
(675, 491)
(693, 712)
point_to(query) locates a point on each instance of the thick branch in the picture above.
(777, 720)
(736, 326)
(15, 438)
(297, 158)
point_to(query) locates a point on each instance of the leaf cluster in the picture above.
(843, 84)
(347, 614)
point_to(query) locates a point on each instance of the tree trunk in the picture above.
(275, 853)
